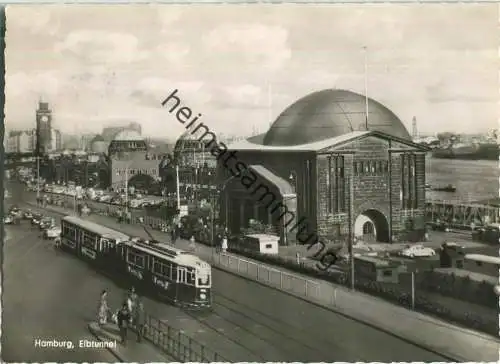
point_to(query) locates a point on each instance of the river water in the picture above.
(474, 180)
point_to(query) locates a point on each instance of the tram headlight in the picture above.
(203, 296)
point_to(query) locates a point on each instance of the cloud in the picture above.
(35, 19)
(250, 43)
(18, 84)
(245, 96)
(174, 53)
(151, 91)
(100, 47)
(167, 15)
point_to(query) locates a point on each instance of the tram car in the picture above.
(171, 274)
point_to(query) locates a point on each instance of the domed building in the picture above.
(98, 145)
(131, 161)
(197, 167)
(333, 164)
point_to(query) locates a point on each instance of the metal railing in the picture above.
(273, 277)
(177, 344)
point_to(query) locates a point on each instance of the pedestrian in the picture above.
(140, 321)
(172, 233)
(103, 310)
(192, 243)
(123, 319)
(132, 299)
(224, 244)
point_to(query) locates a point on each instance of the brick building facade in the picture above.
(328, 165)
(131, 161)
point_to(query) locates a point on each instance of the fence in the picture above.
(277, 278)
(177, 344)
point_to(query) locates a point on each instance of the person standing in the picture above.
(103, 311)
(123, 319)
(140, 321)
(224, 244)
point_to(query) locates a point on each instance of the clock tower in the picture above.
(44, 127)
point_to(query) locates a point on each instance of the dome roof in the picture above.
(127, 135)
(331, 113)
(97, 138)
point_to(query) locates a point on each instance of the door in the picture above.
(181, 284)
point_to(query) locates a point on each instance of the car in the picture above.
(28, 215)
(417, 251)
(46, 223)
(52, 232)
(8, 220)
(35, 220)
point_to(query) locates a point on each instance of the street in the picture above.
(289, 329)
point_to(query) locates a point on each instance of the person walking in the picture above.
(132, 299)
(224, 244)
(123, 319)
(103, 310)
(140, 321)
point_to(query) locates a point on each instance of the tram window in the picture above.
(135, 259)
(191, 278)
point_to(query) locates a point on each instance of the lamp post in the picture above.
(351, 238)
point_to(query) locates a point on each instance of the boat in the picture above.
(485, 151)
(447, 188)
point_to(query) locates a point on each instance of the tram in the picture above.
(171, 274)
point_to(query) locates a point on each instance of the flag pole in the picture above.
(366, 86)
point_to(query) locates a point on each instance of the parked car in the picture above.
(46, 223)
(8, 220)
(35, 220)
(52, 232)
(417, 251)
(439, 226)
(28, 215)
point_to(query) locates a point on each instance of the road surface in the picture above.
(249, 322)
(43, 294)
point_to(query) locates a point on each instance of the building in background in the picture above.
(333, 165)
(21, 141)
(86, 141)
(197, 168)
(44, 127)
(131, 160)
(109, 133)
(56, 141)
(98, 145)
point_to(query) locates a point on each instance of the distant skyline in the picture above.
(242, 65)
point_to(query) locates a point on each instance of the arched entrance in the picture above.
(372, 225)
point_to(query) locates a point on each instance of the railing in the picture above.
(276, 278)
(177, 344)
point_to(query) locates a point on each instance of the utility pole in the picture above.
(366, 86)
(126, 190)
(351, 238)
(178, 187)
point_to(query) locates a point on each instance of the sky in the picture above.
(240, 66)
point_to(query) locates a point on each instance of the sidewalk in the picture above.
(132, 352)
(433, 334)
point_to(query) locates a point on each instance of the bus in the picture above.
(171, 274)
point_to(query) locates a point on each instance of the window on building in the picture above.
(337, 184)
(408, 181)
